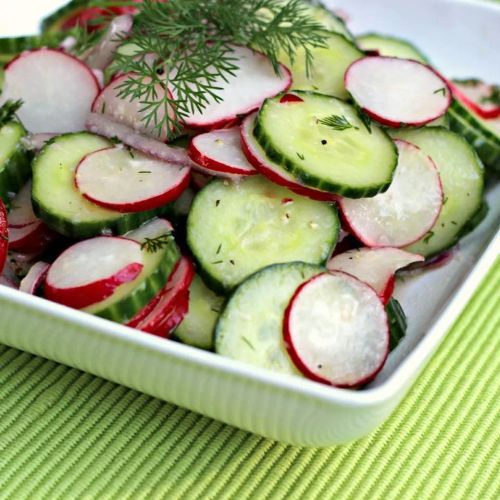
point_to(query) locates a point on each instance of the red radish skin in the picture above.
(168, 308)
(31, 239)
(84, 16)
(274, 173)
(21, 214)
(297, 359)
(85, 291)
(108, 127)
(490, 113)
(254, 81)
(379, 209)
(60, 100)
(291, 98)
(435, 98)
(35, 278)
(112, 178)
(374, 266)
(206, 150)
(4, 236)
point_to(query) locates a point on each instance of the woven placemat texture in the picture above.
(67, 434)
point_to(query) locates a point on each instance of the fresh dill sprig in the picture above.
(185, 46)
(153, 245)
(8, 110)
(337, 122)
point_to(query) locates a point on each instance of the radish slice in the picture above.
(374, 266)
(103, 125)
(57, 90)
(253, 82)
(406, 211)
(35, 277)
(220, 151)
(336, 330)
(21, 213)
(91, 270)
(31, 239)
(474, 94)
(126, 111)
(4, 235)
(274, 172)
(102, 54)
(168, 308)
(129, 181)
(398, 92)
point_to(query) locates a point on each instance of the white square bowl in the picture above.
(462, 38)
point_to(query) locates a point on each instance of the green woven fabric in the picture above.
(67, 434)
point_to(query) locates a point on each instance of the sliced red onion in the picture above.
(107, 127)
(102, 55)
(35, 142)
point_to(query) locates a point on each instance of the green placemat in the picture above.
(67, 434)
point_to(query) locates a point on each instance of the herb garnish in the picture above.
(192, 39)
(301, 156)
(337, 122)
(153, 245)
(428, 236)
(248, 343)
(442, 90)
(8, 110)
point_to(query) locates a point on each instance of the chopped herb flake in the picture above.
(338, 123)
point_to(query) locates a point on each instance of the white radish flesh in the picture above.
(220, 151)
(397, 92)
(254, 81)
(57, 90)
(129, 181)
(108, 127)
(21, 213)
(35, 277)
(406, 211)
(336, 330)
(374, 266)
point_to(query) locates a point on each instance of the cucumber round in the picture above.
(15, 161)
(58, 202)
(131, 297)
(54, 22)
(233, 230)
(462, 177)
(328, 19)
(198, 326)
(390, 46)
(329, 65)
(483, 135)
(352, 159)
(250, 329)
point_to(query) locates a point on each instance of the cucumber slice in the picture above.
(130, 298)
(250, 329)
(233, 230)
(329, 66)
(347, 158)
(390, 46)
(483, 135)
(327, 18)
(462, 178)
(198, 326)
(15, 161)
(58, 202)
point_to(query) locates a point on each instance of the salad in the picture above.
(243, 177)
